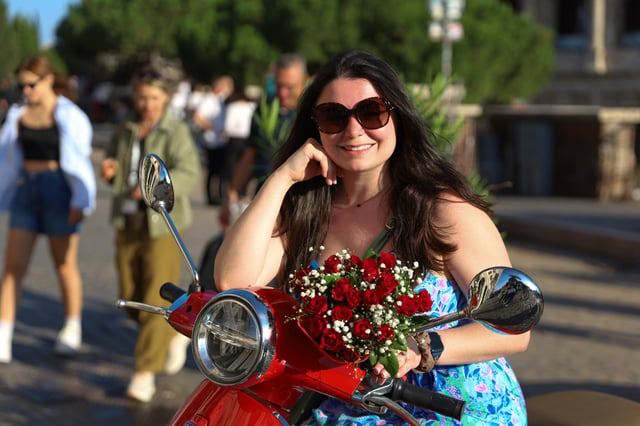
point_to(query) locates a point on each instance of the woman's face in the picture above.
(33, 87)
(356, 148)
(150, 101)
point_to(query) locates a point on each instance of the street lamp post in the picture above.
(446, 27)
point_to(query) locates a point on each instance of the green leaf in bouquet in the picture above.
(398, 345)
(389, 361)
(373, 358)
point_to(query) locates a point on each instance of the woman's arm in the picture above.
(479, 246)
(250, 255)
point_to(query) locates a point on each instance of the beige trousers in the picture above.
(144, 264)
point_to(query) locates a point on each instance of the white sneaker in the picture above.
(69, 340)
(6, 337)
(5, 350)
(177, 354)
(142, 386)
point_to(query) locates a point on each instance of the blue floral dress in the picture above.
(491, 390)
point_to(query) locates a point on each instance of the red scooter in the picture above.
(261, 368)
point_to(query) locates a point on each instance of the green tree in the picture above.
(19, 39)
(503, 55)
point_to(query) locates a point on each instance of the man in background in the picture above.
(290, 79)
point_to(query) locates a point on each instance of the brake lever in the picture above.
(375, 400)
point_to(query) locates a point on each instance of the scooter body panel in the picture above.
(210, 404)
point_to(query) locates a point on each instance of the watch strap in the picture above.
(436, 346)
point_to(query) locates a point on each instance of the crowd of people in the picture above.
(344, 153)
(48, 187)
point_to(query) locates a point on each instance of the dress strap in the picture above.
(376, 247)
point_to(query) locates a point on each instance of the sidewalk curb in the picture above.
(610, 243)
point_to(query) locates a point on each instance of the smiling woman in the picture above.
(358, 158)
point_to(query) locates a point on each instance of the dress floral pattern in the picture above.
(491, 390)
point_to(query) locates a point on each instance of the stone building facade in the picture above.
(580, 135)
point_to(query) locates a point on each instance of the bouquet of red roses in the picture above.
(361, 309)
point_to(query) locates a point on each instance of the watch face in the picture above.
(436, 345)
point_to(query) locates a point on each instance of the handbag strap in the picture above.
(376, 247)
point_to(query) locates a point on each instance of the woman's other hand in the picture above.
(108, 169)
(407, 361)
(75, 216)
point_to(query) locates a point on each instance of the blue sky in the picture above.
(46, 13)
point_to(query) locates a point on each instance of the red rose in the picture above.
(406, 305)
(352, 262)
(316, 325)
(424, 301)
(317, 305)
(369, 269)
(299, 275)
(360, 328)
(331, 340)
(353, 298)
(388, 259)
(332, 263)
(370, 298)
(348, 355)
(341, 313)
(341, 288)
(387, 283)
(385, 332)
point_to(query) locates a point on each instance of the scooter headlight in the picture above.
(232, 338)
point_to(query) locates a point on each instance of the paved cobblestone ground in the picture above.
(589, 337)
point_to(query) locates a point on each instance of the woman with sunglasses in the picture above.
(358, 155)
(146, 255)
(47, 182)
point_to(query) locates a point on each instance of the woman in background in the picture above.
(47, 182)
(146, 254)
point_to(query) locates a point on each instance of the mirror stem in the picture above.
(445, 319)
(195, 286)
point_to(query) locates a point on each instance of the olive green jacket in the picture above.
(171, 140)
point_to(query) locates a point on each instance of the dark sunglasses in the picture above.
(371, 113)
(148, 75)
(31, 85)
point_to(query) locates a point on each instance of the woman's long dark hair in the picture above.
(418, 174)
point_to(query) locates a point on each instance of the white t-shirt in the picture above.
(237, 121)
(212, 109)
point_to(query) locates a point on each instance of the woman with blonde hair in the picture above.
(146, 254)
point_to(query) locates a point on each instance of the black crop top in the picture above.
(40, 144)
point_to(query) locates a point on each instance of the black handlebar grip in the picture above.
(171, 292)
(425, 398)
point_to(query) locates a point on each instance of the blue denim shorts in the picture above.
(41, 204)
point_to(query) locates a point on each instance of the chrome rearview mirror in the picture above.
(157, 192)
(155, 184)
(504, 299)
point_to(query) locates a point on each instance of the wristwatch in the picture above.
(436, 345)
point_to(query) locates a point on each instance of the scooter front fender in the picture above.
(213, 405)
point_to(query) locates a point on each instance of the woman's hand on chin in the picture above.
(309, 161)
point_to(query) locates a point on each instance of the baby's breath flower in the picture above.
(316, 283)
